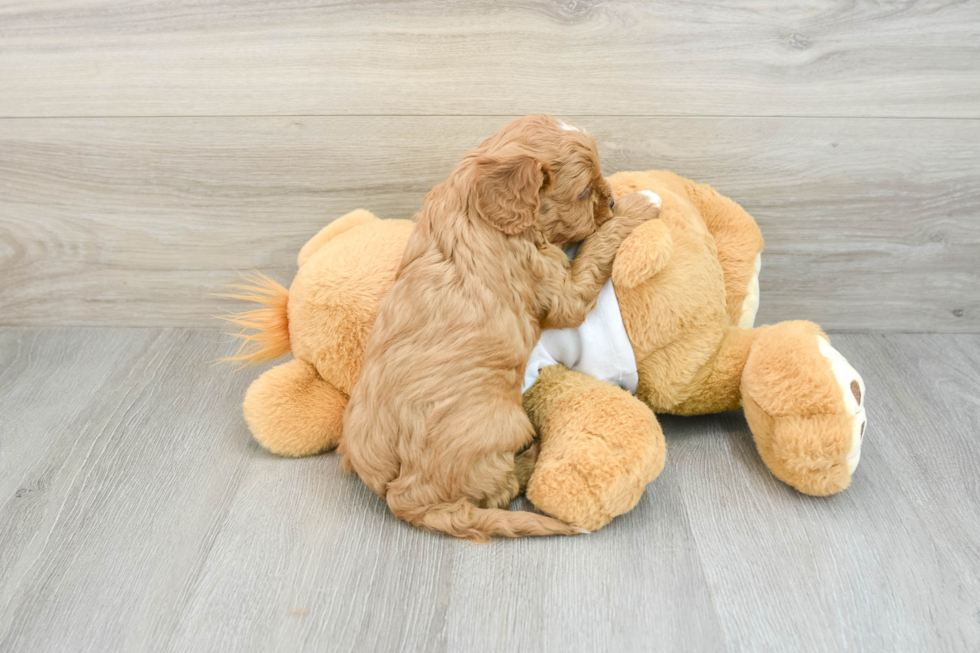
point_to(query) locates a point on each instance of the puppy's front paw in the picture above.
(636, 208)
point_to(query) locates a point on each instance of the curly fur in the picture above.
(435, 420)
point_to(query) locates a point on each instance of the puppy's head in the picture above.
(539, 173)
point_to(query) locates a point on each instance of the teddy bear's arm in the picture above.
(643, 254)
(739, 244)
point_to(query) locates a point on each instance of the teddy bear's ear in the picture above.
(643, 254)
(331, 231)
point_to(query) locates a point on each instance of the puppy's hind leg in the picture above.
(368, 445)
(465, 500)
(524, 463)
(494, 480)
(498, 483)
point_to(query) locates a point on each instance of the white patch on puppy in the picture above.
(653, 197)
(568, 128)
(846, 376)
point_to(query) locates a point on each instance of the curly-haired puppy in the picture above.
(435, 420)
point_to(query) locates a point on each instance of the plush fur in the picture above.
(685, 283)
(328, 314)
(435, 420)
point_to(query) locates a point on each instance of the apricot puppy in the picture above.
(435, 420)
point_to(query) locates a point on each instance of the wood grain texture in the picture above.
(869, 224)
(624, 57)
(115, 501)
(892, 563)
(140, 516)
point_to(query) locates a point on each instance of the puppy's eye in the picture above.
(585, 193)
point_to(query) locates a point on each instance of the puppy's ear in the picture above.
(506, 187)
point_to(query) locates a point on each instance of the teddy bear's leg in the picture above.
(716, 385)
(599, 447)
(805, 405)
(293, 412)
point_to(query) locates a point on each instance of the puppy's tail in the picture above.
(464, 520)
(269, 326)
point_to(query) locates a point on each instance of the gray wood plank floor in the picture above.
(137, 514)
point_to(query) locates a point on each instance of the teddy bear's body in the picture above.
(687, 290)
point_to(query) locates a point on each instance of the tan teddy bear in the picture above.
(686, 289)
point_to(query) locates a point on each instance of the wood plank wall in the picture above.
(149, 151)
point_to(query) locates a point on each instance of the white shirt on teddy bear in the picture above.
(599, 347)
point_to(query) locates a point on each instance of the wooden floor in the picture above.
(138, 514)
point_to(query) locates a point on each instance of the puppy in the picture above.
(435, 420)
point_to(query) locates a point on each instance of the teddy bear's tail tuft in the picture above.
(269, 326)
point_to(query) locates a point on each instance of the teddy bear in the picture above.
(685, 292)
(687, 289)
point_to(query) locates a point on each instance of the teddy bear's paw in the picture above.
(565, 490)
(590, 482)
(853, 392)
(750, 305)
(293, 412)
